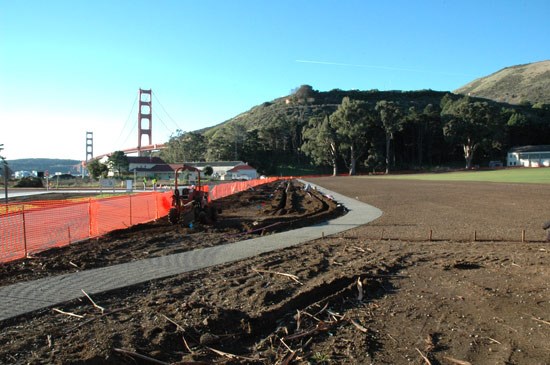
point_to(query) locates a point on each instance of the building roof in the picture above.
(175, 166)
(146, 160)
(157, 168)
(215, 163)
(241, 168)
(537, 148)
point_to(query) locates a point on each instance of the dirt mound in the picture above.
(363, 296)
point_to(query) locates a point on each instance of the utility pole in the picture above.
(6, 172)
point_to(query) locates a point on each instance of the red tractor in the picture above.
(190, 204)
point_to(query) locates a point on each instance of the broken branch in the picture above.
(67, 313)
(540, 320)
(94, 318)
(321, 326)
(180, 328)
(424, 357)
(139, 356)
(456, 361)
(358, 326)
(230, 356)
(94, 304)
(293, 277)
(359, 289)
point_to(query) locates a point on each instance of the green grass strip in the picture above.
(514, 175)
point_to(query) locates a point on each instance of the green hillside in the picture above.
(293, 134)
(296, 109)
(519, 84)
(45, 164)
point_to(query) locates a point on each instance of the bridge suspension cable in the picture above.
(118, 142)
(165, 111)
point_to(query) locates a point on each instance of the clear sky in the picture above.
(72, 66)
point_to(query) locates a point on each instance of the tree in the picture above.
(304, 93)
(221, 146)
(471, 124)
(391, 119)
(118, 162)
(321, 143)
(352, 121)
(208, 170)
(238, 131)
(97, 169)
(185, 147)
(425, 125)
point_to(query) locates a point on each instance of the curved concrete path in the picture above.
(26, 297)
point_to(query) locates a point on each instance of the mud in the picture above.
(452, 273)
(266, 209)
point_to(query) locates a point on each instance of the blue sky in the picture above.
(67, 67)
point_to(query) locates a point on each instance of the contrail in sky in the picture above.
(379, 67)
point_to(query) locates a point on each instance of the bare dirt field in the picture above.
(443, 277)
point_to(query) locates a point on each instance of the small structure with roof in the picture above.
(150, 167)
(529, 156)
(228, 170)
(242, 172)
(187, 175)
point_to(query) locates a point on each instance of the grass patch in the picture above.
(514, 175)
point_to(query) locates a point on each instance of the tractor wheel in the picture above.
(213, 213)
(203, 217)
(173, 216)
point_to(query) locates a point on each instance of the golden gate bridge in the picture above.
(145, 128)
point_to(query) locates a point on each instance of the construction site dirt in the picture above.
(452, 273)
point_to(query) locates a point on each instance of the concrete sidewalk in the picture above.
(26, 297)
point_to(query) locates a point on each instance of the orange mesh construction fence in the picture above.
(31, 227)
(222, 190)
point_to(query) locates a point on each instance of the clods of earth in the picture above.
(452, 273)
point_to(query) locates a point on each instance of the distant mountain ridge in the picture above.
(52, 165)
(520, 84)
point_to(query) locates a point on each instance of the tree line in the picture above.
(358, 131)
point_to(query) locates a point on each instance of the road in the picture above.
(13, 193)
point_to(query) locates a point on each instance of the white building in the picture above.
(243, 172)
(187, 175)
(22, 174)
(148, 168)
(228, 170)
(529, 156)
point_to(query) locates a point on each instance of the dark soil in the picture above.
(383, 293)
(266, 209)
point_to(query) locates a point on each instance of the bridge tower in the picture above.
(144, 116)
(89, 146)
(89, 152)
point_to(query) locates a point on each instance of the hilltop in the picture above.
(273, 136)
(529, 83)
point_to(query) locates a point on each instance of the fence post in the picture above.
(130, 196)
(24, 230)
(157, 212)
(89, 217)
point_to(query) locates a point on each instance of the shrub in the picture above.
(29, 182)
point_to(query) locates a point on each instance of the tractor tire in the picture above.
(213, 213)
(173, 216)
(203, 218)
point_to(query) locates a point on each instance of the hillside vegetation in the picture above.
(519, 84)
(349, 131)
(51, 165)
